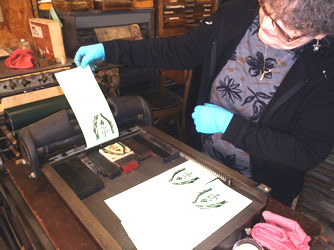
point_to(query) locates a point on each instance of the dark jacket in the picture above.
(295, 131)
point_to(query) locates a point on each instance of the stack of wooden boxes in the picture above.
(317, 196)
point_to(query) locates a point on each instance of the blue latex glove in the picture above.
(89, 55)
(211, 119)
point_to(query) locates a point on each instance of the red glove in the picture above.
(20, 59)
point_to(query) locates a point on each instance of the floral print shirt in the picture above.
(239, 89)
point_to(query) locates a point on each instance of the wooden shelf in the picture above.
(174, 17)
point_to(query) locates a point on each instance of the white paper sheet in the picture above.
(89, 105)
(177, 209)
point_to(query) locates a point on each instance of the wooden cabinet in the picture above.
(174, 17)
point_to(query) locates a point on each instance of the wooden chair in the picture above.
(167, 105)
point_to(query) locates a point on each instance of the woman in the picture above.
(266, 95)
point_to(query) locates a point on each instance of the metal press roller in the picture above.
(17, 117)
(61, 131)
(20, 116)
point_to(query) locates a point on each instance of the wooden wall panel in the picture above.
(15, 25)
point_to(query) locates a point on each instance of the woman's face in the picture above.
(270, 36)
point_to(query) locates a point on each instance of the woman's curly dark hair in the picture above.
(311, 17)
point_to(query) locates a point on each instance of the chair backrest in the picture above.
(179, 77)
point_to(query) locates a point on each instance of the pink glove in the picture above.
(280, 233)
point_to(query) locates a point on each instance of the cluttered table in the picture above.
(62, 219)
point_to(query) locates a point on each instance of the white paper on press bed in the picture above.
(159, 215)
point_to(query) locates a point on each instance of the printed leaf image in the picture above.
(183, 176)
(209, 198)
(102, 126)
(115, 151)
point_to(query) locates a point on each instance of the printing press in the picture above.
(55, 188)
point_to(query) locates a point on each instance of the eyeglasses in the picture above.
(278, 28)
